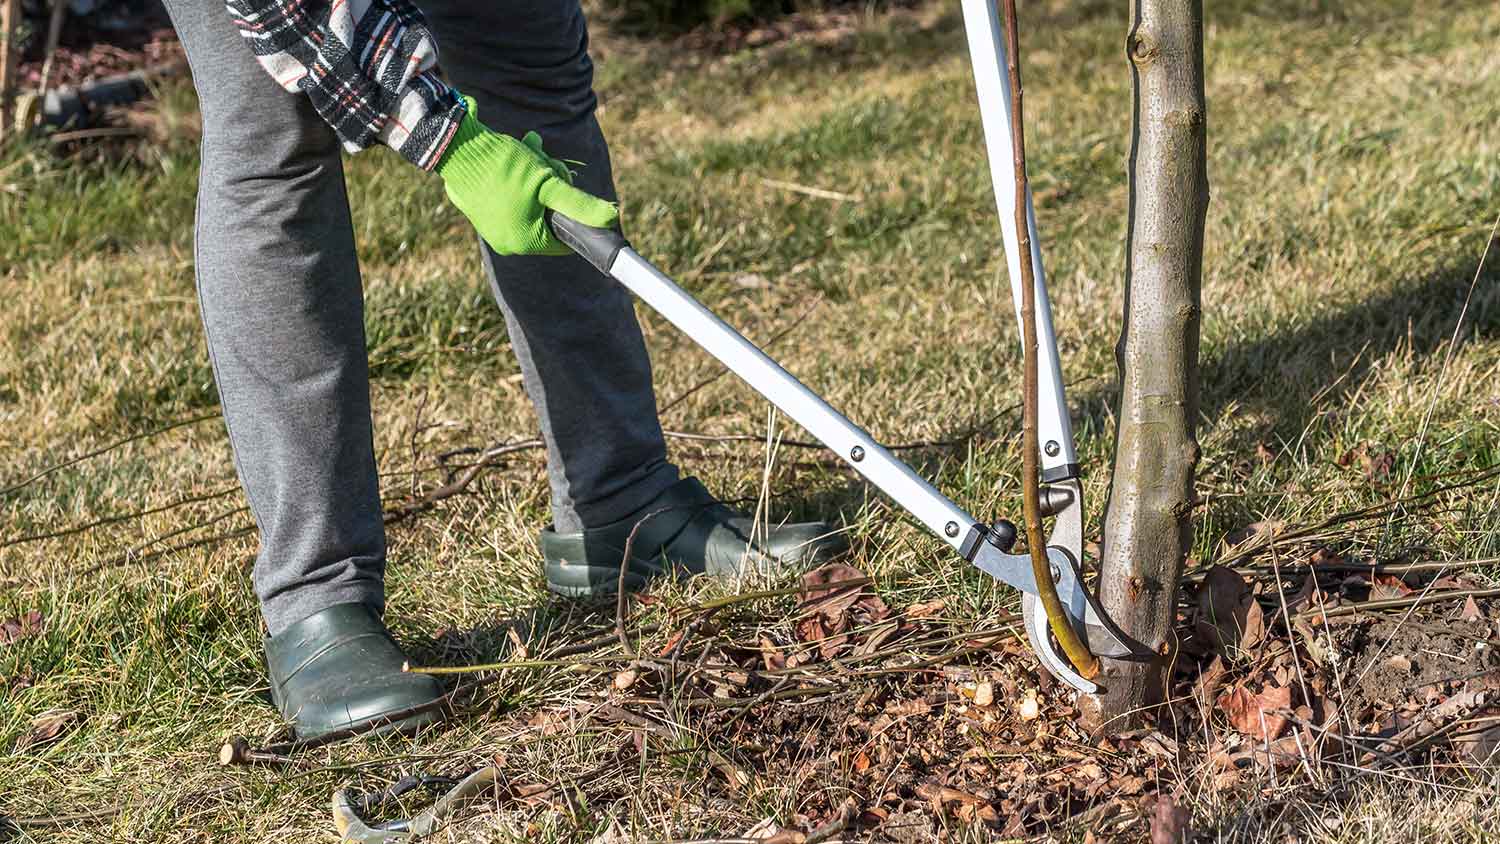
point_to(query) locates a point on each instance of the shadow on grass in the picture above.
(1344, 348)
(1294, 373)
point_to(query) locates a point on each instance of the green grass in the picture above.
(1353, 161)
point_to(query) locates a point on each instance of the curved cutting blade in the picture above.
(1041, 643)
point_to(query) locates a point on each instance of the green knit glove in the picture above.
(505, 187)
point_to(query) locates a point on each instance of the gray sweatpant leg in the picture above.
(280, 293)
(574, 331)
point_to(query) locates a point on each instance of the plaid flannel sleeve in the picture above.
(367, 66)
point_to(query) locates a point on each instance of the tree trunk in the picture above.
(1148, 521)
(10, 58)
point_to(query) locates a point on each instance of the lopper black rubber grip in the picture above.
(599, 247)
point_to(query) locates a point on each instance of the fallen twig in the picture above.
(106, 449)
(1396, 603)
(805, 190)
(595, 664)
(123, 517)
(237, 751)
(60, 138)
(134, 555)
(486, 459)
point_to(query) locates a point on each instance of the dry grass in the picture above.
(1354, 164)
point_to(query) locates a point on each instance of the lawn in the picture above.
(1354, 164)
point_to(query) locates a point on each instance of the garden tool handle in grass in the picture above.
(986, 546)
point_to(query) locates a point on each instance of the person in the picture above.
(283, 86)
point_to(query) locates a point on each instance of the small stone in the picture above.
(1029, 708)
(984, 694)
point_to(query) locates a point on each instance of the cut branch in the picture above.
(1031, 503)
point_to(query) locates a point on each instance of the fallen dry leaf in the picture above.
(1228, 616)
(615, 834)
(771, 656)
(826, 613)
(939, 794)
(1256, 714)
(47, 727)
(550, 722)
(926, 609)
(763, 830)
(830, 603)
(20, 627)
(1376, 464)
(751, 281)
(1211, 680)
(1470, 611)
(1386, 586)
(913, 706)
(1270, 527)
(519, 646)
(1482, 748)
(984, 813)
(1305, 597)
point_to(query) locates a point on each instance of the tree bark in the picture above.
(10, 58)
(1148, 520)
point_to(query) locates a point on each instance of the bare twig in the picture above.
(805, 190)
(729, 600)
(59, 138)
(127, 557)
(1398, 603)
(487, 458)
(237, 751)
(598, 663)
(106, 449)
(1057, 618)
(10, 56)
(416, 431)
(122, 517)
(49, 51)
(622, 597)
(740, 438)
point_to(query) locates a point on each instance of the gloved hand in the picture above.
(505, 186)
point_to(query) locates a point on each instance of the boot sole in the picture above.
(591, 581)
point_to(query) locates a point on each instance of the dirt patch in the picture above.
(1396, 661)
(109, 41)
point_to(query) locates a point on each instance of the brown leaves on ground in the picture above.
(1375, 462)
(895, 722)
(46, 728)
(1300, 666)
(1228, 619)
(1262, 715)
(828, 610)
(23, 626)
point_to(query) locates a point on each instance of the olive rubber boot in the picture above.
(686, 531)
(338, 671)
